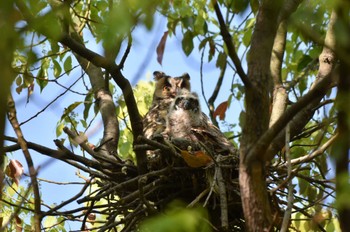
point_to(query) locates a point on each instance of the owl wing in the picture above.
(213, 139)
(154, 122)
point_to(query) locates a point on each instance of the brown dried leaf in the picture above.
(161, 47)
(221, 110)
(19, 227)
(14, 170)
(196, 159)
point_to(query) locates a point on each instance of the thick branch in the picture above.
(319, 89)
(280, 96)
(279, 125)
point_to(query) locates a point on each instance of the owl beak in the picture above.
(190, 105)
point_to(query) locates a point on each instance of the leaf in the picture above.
(57, 70)
(221, 110)
(187, 43)
(196, 159)
(303, 62)
(14, 170)
(41, 79)
(18, 224)
(59, 129)
(221, 61)
(50, 221)
(161, 47)
(68, 65)
(70, 108)
(211, 50)
(87, 104)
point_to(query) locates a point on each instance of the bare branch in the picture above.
(12, 116)
(230, 46)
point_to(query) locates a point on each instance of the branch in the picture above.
(280, 96)
(263, 143)
(230, 46)
(290, 198)
(57, 207)
(12, 116)
(213, 97)
(325, 75)
(316, 153)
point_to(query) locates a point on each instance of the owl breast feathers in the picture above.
(188, 126)
(166, 88)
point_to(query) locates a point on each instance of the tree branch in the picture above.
(12, 116)
(280, 96)
(230, 46)
(319, 88)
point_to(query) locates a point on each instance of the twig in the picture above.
(223, 197)
(127, 51)
(230, 46)
(33, 173)
(87, 184)
(198, 198)
(215, 94)
(316, 153)
(47, 106)
(288, 211)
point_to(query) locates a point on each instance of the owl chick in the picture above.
(184, 114)
(166, 88)
(186, 123)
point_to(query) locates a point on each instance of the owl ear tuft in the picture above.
(158, 75)
(186, 76)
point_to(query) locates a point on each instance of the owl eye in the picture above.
(166, 88)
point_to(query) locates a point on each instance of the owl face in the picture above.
(184, 114)
(186, 101)
(167, 86)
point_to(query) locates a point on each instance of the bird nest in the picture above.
(175, 172)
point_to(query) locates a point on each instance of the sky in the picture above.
(140, 65)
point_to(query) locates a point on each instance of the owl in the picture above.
(188, 126)
(166, 88)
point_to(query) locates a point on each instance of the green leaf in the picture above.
(57, 70)
(221, 61)
(239, 5)
(59, 129)
(68, 65)
(70, 108)
(187, 43)
(49, 221)
(87, 104)
(303, 62)
(41, 79)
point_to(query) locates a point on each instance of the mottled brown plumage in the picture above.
(188, 126)
(165, 91)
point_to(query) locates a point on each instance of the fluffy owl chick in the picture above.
(166, 88)
(184, 114)
(188, 126)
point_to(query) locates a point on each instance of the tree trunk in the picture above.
(256, 208)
